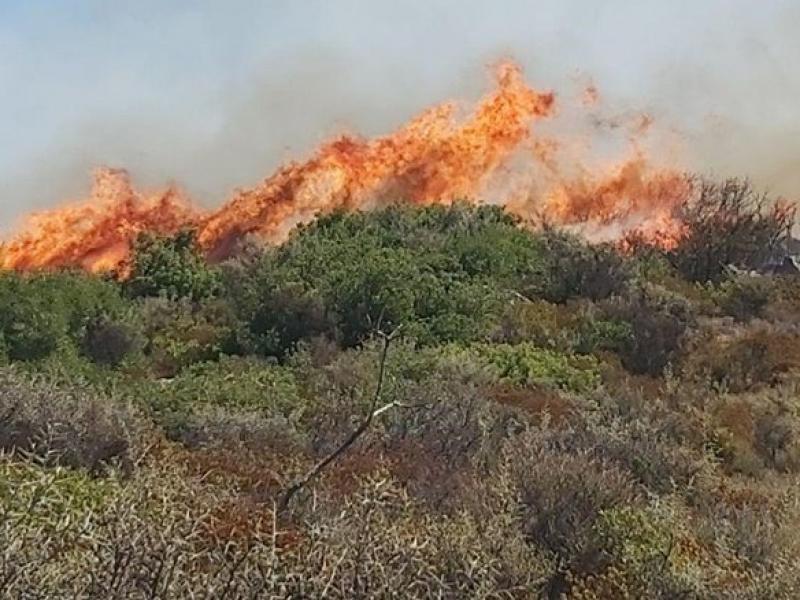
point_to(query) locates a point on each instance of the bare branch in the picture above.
(299, 484)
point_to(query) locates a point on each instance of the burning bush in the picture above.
(729, 223)
(510, 455)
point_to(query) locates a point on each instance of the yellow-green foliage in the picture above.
(525, 364)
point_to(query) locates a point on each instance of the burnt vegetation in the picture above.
(551, 419)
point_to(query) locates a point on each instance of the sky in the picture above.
(215, 94)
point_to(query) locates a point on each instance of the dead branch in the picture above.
(300, 483)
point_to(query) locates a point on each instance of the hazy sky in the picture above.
(213, 94)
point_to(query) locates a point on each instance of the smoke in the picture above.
(213, 95)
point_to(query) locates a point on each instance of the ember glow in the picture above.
(438, 157)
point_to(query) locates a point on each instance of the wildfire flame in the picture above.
(438, 157)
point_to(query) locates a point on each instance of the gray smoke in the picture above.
(214, 95)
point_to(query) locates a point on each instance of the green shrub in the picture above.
(525, 364)
(220, 390)
(171, 267)
(179, 333)
(42, 311)
(431, 270)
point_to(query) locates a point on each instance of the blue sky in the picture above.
(213, 94)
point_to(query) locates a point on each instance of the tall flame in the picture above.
(435, 158)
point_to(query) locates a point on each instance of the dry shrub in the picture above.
(657, 321)
(544, 404)
(106, 342)
(756, 522)
(72, 427)
(745, 298)
(448, 424)
(758, 431)
(442, 419)
(784, 305)
(215, 427)
(777, 440)
(173, 536)
(734, 437)
(259, 476)
(561, 492)
(748, 358)
(648, 451)
(729, 223)
(385, 546)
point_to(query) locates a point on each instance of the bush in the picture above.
(180, 333)
(574, 327)
(68, 426)
(744, 298)
(729, 223)
(574, 269)
(513, 455)
(525, 364)
(561, 496)
(107, 342)
(29, 333)
(747, 359)
(171, 267)
(215, 391)
(42, 311)
(431, 270)
(656, 324)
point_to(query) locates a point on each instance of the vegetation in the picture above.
(551, 419)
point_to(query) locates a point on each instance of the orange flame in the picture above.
(435, 158)
(96, 235)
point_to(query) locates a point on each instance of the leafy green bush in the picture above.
(180, 333)
(348, 274)
(170, 266)
(525, 364)
(45, 310)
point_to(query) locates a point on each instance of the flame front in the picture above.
(435, 158)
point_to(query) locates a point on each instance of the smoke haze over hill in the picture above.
(215, 95)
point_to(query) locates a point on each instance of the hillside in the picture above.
(410, 402)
